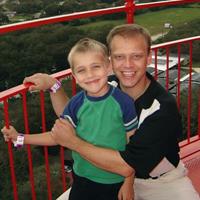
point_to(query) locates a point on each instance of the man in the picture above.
(152, 153)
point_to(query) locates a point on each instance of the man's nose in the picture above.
(128, 62)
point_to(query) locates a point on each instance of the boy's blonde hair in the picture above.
(129, 30)
(87, 45)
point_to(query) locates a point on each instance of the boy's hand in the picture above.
(9, 134)
(40, 81)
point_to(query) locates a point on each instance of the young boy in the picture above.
(101, 115)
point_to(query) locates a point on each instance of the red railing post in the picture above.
(179, 77)
(11, 159)
(130, 9)
(198, 112)
(156, 64)
(167, 69)
(73, 86)
(42, 106)
(31, 176)
(189, 93)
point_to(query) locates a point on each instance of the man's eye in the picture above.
(137, 56)
(118, 57)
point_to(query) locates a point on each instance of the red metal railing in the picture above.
(129, 8)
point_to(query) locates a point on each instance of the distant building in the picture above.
(10, 14)
(172, 73)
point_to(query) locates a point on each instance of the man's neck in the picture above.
(138, 90)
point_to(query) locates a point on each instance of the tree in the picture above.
(3, 19)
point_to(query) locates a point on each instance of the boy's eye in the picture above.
(79, 71)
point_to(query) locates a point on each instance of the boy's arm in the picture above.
(44, 82)
(59, 101)
(43, 139)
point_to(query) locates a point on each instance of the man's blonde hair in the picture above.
(129, 30)
(87, 45)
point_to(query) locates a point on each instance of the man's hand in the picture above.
(64, 134)
(40, 81)
(126, 191)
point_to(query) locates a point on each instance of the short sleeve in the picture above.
(71, 110)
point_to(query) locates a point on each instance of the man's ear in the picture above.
(149, 59)
(110, 70)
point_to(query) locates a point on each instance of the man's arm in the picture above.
(43, 82)
(107, 159)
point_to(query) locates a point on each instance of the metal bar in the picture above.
(61, 18)
(129, 9)
(24, 87)
(42, 106)
(179, 77)
(11, 159)
(199, 113)
(73, 86)
(156, 64)
(175, 42)
(63, 169)
(167, 69)
(163, 3)
(189, 94)
(31, 176)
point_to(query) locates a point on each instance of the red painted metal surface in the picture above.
(11, 159)
(179, 77)
(31, 175)
(129, 8)
(167, 69)
(189, 93)
(42, 108)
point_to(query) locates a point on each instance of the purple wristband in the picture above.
(55, 87)
(20, 141)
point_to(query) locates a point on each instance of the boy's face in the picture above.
(91, 71)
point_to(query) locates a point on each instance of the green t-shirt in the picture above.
(102, 121)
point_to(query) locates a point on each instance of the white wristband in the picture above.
(20, 141)
(55, 87)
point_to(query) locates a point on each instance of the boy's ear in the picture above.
(74, 75)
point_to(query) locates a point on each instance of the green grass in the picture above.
(154, 21)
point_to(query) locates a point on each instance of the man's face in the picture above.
(129, 58)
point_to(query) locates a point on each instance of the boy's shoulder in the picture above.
(121, 97)
(77, 99)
